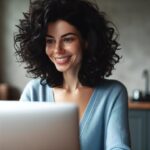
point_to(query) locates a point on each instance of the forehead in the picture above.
(60, 27)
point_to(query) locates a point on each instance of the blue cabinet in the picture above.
(148, 135)
(139, 121)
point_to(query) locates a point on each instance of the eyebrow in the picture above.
(63, 35)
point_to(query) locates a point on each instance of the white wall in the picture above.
(132, 20)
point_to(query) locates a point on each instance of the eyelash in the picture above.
(49, 41)
(66, 39)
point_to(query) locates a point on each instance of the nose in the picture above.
(58, 46)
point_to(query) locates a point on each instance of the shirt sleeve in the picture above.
(34, 91)
(117, 128)
(27, 93)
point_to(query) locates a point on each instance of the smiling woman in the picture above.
(70, 47)
(64, 46)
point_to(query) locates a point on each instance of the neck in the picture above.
(71, 82)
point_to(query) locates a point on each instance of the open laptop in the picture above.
(38, 126)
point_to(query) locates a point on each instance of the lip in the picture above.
(61, 60)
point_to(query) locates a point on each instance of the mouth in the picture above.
(62, 60)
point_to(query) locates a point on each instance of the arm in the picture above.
(117, 127)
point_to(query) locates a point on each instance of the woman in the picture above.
(70, 47)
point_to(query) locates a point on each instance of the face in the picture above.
(64, 46)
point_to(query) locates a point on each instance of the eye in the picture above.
(68, 39)
(49, 41)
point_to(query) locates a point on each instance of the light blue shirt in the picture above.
(104, 125)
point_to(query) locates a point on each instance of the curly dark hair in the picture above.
(100, 55)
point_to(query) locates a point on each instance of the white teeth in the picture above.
(62, 59)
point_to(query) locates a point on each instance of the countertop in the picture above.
(139, 105)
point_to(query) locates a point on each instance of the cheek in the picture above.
(78, 54)
(47, 51)
(77, 48)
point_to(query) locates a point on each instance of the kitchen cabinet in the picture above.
(139, 121)
(148, 136)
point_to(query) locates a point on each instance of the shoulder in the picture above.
(111, 85)
(32, 86)
(112, 91)
(34, 90)
(34, 83)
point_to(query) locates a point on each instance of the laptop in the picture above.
(38, 126)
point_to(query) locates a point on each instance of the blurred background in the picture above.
(131, 18)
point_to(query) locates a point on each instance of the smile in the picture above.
(62, 60)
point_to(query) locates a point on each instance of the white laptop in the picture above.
(38, 126)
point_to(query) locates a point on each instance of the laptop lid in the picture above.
(38, 126)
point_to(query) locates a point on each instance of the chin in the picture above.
(61, 69)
